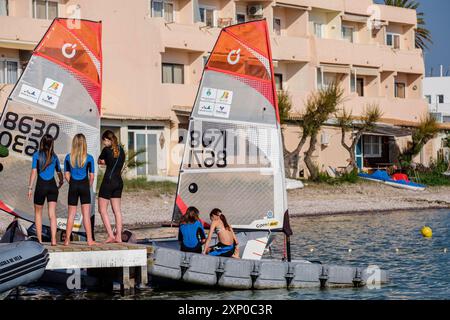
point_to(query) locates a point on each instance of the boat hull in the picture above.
(173, 266)
(21, 263)
(395, 184)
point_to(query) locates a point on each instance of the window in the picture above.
(393, 40)
(428, 98)
(360, 87)
(319, 76)
(318, 30)
(207, 16)
(3, 7)
(240, 18)
(9, 71)
(277, 26)
(162, 9)
(44, 9)
(440, 98)
(373, 146)
(172, 73)
(279, 81)
(347, 33)
(400, 90)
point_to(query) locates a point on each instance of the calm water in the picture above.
(419, 267)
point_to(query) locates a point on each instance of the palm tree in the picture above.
(423, 35)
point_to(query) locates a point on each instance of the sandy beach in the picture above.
(143, 208)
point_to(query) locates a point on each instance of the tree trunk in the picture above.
(312, 167)
(290, 156)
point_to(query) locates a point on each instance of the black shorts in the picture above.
(197, 249)
(111, 188)
(79, 190)
(45, 190)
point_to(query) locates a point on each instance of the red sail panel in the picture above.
(243, 51)
(68, 48)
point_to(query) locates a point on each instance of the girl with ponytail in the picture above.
(44, 165)
(227, 244)
(113, 156)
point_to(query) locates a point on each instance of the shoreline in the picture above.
(143, 209)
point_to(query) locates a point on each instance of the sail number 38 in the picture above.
(21, 134)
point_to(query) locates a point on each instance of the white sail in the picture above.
(233, 156)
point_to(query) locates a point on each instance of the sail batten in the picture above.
(233, 154)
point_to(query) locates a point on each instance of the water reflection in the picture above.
(419, 267)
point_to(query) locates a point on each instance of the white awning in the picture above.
(355, 18)
(335, 69)
(291, 6)
(366, 71)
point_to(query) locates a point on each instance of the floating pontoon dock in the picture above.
(128, 259)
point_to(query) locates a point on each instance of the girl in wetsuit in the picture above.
(44, 164)
(227, 239)
(191, 234)
(113, 156)
(79, 169)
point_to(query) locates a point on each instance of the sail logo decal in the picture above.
(234, 56)
(215, 102)
(29, 93)
(53, 87)
(48, 100)
(68, 50)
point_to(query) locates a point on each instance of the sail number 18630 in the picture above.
(29, 131)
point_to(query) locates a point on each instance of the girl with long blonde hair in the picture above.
(79, 169)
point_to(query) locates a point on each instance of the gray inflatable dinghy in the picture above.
(196, 269)
(21, 263)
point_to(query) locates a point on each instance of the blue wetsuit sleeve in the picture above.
(67, 166)
(92, 167)
(57, 164)
(35, 160)
(201, 232)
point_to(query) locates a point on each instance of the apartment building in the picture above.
(436, 91)
(155, 50)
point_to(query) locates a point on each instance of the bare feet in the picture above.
(91, 243)
(66, 243)
(53, 244)
(110, 240)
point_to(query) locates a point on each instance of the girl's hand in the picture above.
(30, 194)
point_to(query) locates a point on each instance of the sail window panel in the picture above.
(3, 7)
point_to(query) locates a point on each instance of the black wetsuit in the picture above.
(112, 184)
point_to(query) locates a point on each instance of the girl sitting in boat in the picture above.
(44, 165)
(227, 239)
(79, 169)
(191, 234)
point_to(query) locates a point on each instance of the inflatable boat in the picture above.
(173, 266)
(21, 263)
(383, 177)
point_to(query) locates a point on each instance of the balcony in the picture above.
(295, 49)
(370, 55)
(21, 33)
(392, 108)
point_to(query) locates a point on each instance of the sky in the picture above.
(438, 22)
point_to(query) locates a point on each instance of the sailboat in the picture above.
(59, 93)
(233, 160)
